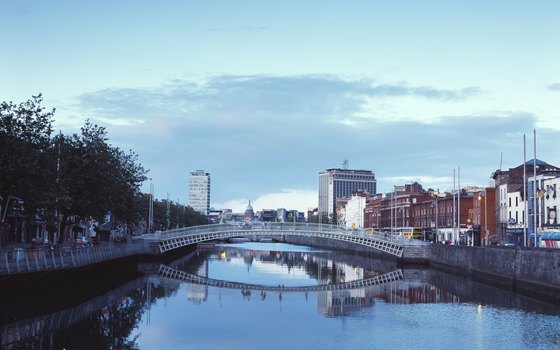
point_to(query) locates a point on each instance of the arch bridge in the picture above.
(177, 238)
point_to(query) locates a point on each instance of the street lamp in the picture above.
(436, 238)
(485, 216)
(7, 203)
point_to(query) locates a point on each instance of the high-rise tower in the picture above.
(340, 183)
(199, 191)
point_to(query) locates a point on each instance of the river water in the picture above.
(280, 296)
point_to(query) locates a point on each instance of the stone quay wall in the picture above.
(338, 245)
(533, 272)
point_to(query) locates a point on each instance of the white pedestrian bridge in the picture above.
(177, 238)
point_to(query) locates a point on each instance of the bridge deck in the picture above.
(173, 239)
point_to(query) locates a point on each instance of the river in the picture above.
(277, 296)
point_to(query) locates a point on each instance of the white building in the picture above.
(515, 209)
(199, 191)
(354, 212)
(545, 200)
(551, 198)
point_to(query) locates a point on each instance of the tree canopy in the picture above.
(81, 174)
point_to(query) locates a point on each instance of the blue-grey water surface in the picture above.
(425, 309)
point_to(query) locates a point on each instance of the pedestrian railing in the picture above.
(21, 260)
(173, 239)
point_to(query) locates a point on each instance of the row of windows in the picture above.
(516, 201)
(517, 216)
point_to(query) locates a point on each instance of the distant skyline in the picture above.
(265, 95)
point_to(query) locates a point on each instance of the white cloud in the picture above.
(425, 180)
(258, 134)
(289, 199)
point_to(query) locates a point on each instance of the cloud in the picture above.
(237, 99)
(289, 199)
(260, 134)
(554, 87)
(426, 181)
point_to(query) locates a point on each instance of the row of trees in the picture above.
(56, 175)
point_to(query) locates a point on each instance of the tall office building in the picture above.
(340, 183)
(199, 191)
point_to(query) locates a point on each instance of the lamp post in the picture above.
(485, 216)
(7, 203)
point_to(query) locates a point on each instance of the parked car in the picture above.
(39, 242)
(81, 241)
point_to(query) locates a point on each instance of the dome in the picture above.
(249, 207)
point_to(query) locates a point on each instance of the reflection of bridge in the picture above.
(178, 238)
(168, 272)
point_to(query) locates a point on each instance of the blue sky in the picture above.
(266, 94)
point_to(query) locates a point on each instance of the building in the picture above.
(545, 199)
(249, 213)
(354, 210)
(268, 215)
(372, 212)
(199, 191)
(482, 219)
(551, 203)
(396, 208)
(340, 183)
(511, 181)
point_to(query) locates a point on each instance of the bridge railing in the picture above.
(251, 228)
(254, 228)
(20, 260)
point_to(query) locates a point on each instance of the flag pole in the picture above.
(525, 199)
(458, 202)
(535, 185)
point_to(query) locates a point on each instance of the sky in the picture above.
(264, 95)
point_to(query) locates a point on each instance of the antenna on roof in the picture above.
(345, 163)
(501, 157)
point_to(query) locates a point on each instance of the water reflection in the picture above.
(232, 288)
(344, 283)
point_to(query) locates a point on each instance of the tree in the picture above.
(179, 215)
(26, 155)
(96, 177)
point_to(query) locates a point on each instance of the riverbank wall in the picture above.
(532, 272)
(338, 245)
(528, 271)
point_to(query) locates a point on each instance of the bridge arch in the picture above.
(177, 238)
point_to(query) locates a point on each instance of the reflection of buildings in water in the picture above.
(199, 292)
(404, 292)
(345, 302)
(342, 302)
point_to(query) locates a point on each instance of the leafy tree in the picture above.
(80, 174)
(179, 215)
(325, 219)
(26, 153)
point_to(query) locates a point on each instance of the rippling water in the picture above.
(425, 309)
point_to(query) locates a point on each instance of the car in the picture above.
(81, 241)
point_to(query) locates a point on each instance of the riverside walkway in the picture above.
(20, 260)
